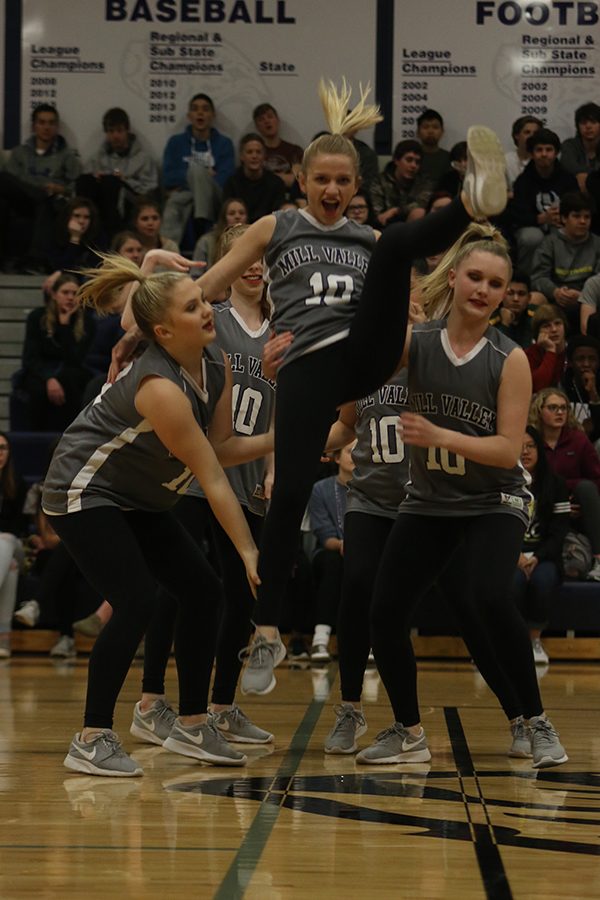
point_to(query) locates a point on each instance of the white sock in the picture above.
(321, 635)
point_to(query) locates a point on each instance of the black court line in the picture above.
(491, 867)
(243, 866)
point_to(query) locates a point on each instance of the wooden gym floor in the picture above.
(296, 823)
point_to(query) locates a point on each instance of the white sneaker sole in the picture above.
(240, 739)
(25, 620)
(82, 765)
(335, 751)
(176, 746)
(519, 754)
(408, 757)
(489, 167)
(547, 761)
(142, 734)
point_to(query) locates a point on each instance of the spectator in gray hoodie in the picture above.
(567, 257)
(580, 155)
(40, 176)
(119, 172)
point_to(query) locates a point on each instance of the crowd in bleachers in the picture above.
(57, 214)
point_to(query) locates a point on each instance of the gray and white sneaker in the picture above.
(594, 573)
(28, 613)
(104, 755)
(540, 657)
(153, 726)
(319, 653)
(350, 724)
(395, 745)
(485, 178)
(237, 728)
(546, 748)
(204, 742)
(263, 657)
(521, 739)
(64, 647)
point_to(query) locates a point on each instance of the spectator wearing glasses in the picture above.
(571, 455)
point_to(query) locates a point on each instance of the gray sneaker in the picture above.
(237, 728)
(263, 657)
(91, 626)
(64, 647)
(485, 178)
(204, 742)
(350, 724)
(154, 725)
(521, 743)
(28, 613)
(5, 645)
(104, 755)
(395, 745)
(545, 745)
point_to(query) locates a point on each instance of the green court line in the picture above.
(246, 859)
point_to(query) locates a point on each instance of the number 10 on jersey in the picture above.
(338, 290)
(440, 460)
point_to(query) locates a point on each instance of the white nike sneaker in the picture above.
(153, 726)
(104, 755)
(395, 745)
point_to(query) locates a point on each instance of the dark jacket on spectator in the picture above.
(387, 192)
(534, 194)
(262, 196)
(12, 519)
(45, 356)
(547, 529)
(574, 458)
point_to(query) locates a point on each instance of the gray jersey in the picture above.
(315, 275)
(252, 400)
(459, 394)
(110, 456)
(380, 457)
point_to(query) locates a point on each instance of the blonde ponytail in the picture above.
(436, 293)
(341, 122)
(101, 289)
(149, 302)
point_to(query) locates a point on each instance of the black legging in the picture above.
(235, 606)
(61, 585)
(365, 537)
(310, 388)
(123, 555)
(192, 513)
(418, 551)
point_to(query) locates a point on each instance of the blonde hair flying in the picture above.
(341, 121)
(149, 302)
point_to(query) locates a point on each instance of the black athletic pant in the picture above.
(310, 388)
(235, 608)
(327, 570)
(418, 551)
(192, 513)
(236, 624)
(123, 555)
(61, 585)
(365, 537)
